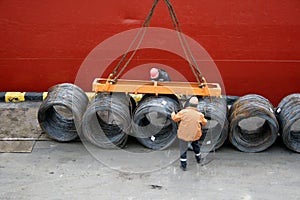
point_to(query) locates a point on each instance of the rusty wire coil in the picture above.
(288, 112)
(107, 120)
(253, 125)
(61, 112)
(152, 124)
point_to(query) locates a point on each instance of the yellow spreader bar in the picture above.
(154, 87)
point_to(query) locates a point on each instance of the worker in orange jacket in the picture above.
(189, 130)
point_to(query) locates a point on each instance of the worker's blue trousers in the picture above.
(183, 145)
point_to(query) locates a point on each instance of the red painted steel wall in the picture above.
(255, 43)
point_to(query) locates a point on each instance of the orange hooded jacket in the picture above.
(191, 122)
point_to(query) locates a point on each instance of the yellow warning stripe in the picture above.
(90, 95)
(21, 96)
(136, 97)
(14, 96)
(45, 95)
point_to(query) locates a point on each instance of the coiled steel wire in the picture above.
(253, 125)
(215, 133)
(107, 120)
(288, 112)
(152, 124)
(61, 112)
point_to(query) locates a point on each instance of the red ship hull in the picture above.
(254, 44)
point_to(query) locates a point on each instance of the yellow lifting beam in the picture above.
(154, 87)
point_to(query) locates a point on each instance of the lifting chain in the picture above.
(141, 33)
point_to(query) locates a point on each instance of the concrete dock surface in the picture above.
(71, 171)
(79, 170)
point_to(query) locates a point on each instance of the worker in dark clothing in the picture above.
(189, 130)
(159, 75)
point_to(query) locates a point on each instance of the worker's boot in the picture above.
(198, 158)
(183, 166)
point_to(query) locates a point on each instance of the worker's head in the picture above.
(193, 102)
(154, 73)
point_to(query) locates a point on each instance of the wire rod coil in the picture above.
(61, 112)
(215, 133)
(107, 120)
(253, 125)
(288, 113)
(152, 124)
